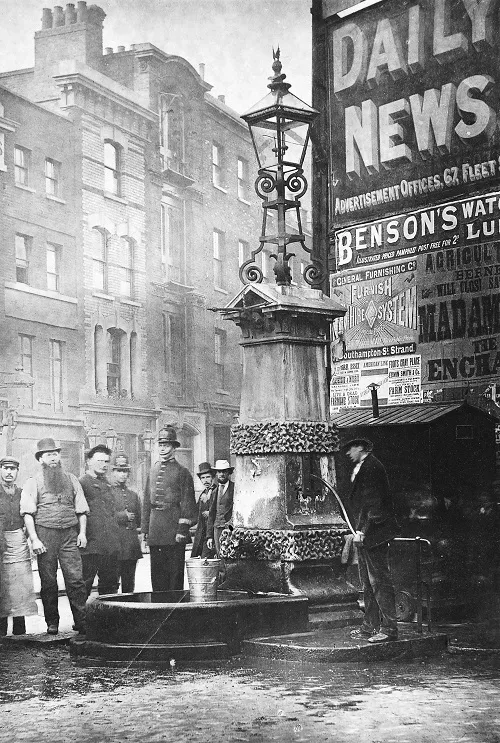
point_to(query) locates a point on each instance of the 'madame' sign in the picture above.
(415, 104)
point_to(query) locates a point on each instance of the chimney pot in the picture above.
(201, 69)
(58, 16)
(222, 98)
(121, 48)
(46, 18)
(132, 47)
(81, 11)
(70, 14)
(109, 50)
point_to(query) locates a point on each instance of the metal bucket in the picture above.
(203, 578)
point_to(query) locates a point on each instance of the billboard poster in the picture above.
(381, 309)
(414, 105)
(441, 305)
(398, 381)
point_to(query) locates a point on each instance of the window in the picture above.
(217, 163)
(99, 260)
(22, 247)
(53, 261)
(56, 375)
(26, 364)
(175, 352)
(172, 132)
(218, 258)
(114, 338)
(21, 166)
(52, 177)
(242, 179)
(111, 168)
(172, 240)
(126, 270)
(243, 251)
(219, 354)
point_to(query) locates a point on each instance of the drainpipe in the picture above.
(373, 389)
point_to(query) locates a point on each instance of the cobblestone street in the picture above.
(46, 697)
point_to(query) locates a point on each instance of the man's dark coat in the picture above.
(371, 504)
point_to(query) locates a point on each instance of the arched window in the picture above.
(112, 157)
(133, 365)
(114, 361)
(99, 259)
(99, 376)
(126, 261)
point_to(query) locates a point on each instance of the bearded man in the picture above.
(55, 514)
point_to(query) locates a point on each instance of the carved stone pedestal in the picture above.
(288, 534)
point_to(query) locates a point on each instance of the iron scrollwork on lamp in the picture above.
(279, 126)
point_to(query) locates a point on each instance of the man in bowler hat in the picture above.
(55, 514)
(206, 476)
(128, 517)
(372, 512)
(169, 510)
(220, 514)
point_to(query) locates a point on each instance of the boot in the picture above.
(18, 626)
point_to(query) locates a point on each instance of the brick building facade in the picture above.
(157, 212)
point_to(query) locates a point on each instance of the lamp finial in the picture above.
(277, 84)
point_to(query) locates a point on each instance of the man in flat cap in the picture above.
(55, 513)
(17, 595)
(103, 542)
(220, 514)
(169, 510)
(372, 512)
(128, 517)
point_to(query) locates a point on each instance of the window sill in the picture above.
(102, 295)
(50, 197)
(244, 201)
(223, 392)
(219, 188)
(24, 188)
(113, 197)
(131, 302)
(221, 291)
(39, 292)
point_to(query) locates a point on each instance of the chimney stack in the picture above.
(46, 18)
(109, 50)
(81, 11)
(121, 49)
(201, 68)
(58, 16)
(70, 14)
(71, 33)
(222, 98)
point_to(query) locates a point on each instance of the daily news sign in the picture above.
(415, 105)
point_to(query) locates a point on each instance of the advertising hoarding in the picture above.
(414, 103)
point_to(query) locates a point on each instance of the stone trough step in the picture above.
(336, 646)
(154, 654)
(332, 615)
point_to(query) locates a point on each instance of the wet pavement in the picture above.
(45, 696)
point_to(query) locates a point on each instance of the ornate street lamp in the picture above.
(111, 438)
(147, 440)
(93, 436)
(279, 127)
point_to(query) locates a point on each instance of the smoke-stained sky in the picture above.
(234, 38)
